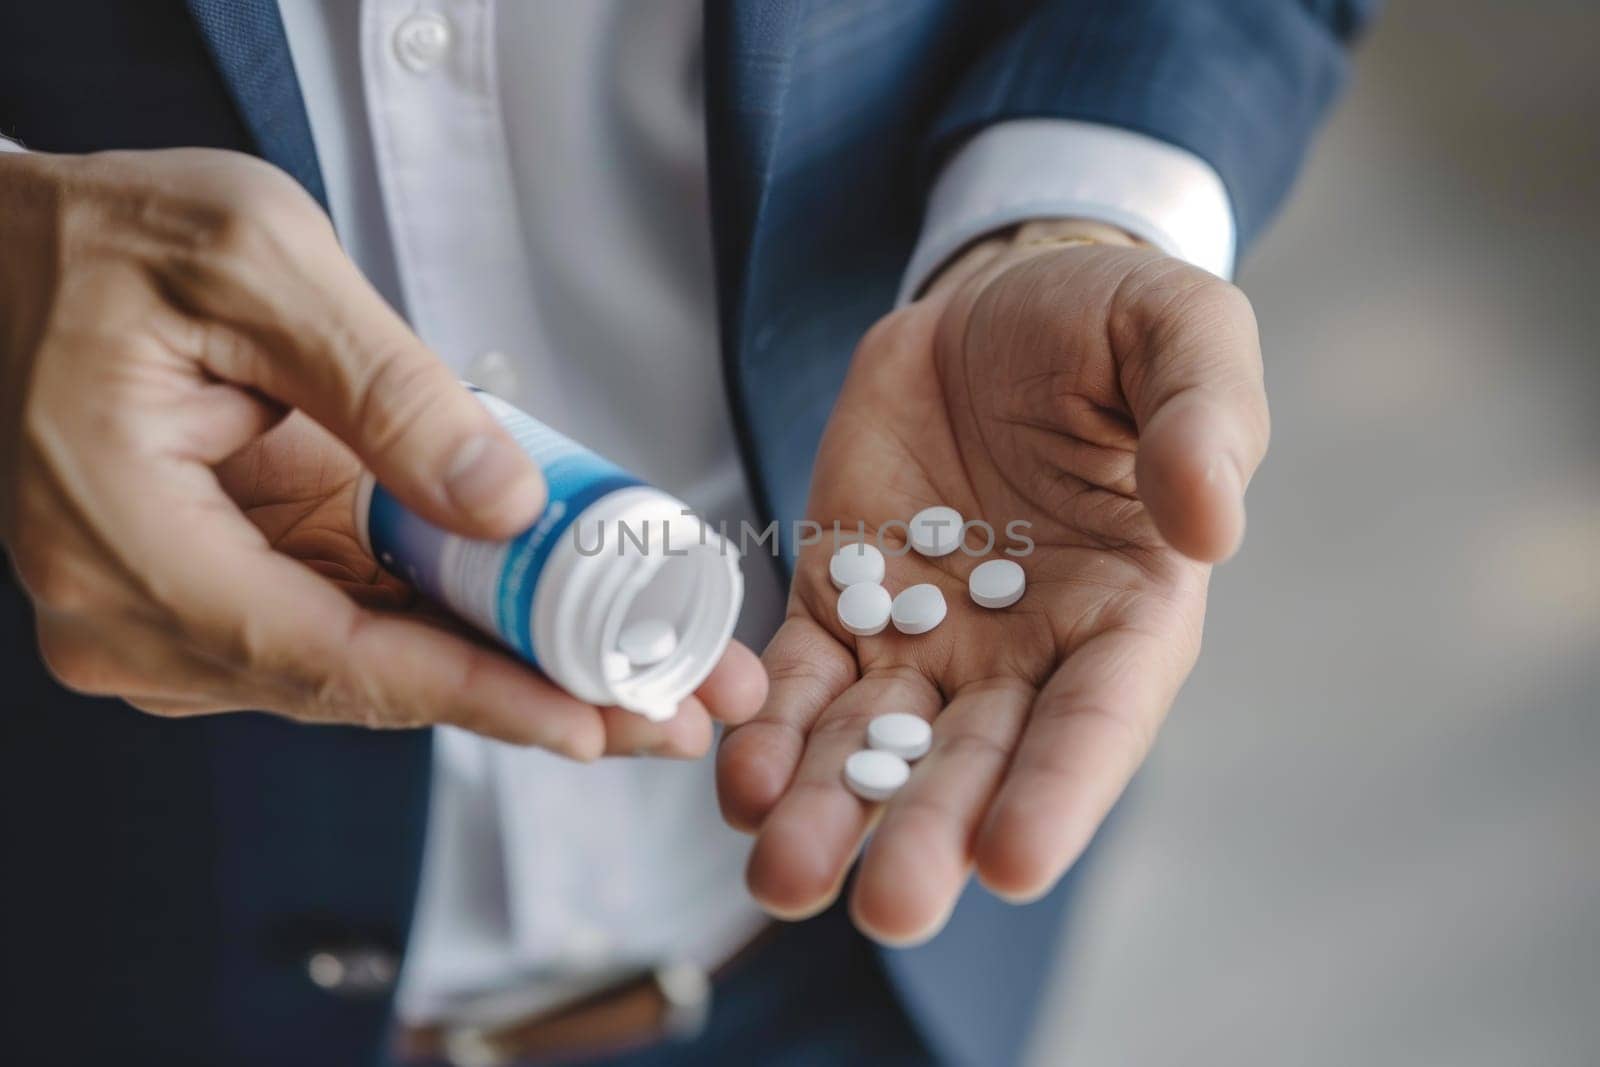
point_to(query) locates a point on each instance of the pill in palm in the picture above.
(918, 609)
(864, 608)
(874, 775)
(854, 564)
(901, 733)
(936, 531)
(647, 642)
(997, 583)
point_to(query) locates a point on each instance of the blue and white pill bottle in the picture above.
(607, 551)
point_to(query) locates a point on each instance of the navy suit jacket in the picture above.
(164, 882)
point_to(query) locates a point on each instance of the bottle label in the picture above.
(492, 583)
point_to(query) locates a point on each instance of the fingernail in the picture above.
(491, 478)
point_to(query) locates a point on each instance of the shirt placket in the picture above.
(429, 75)
(429, 72)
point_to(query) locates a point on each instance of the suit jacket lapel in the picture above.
(246, 42)
(749, 50)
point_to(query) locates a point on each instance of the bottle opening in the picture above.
(698, 595)
(690, 580)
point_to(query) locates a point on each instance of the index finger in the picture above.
(280, 308)
(317, 655)
(807, 669)
(736, 687)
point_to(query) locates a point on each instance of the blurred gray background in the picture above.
(1371, 830)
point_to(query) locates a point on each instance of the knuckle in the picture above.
(808, 657)
(887, 331)
(1155, 295)
(337, 698)
(749, 744)
(77, 665)
(251, 645)
(337, 690)
(55, 582)
(1231, 302)
(287, 670)
(975, 748)
(330, 693)
(227, 234)
(934, 810)
(275, 192)
(236, 233)
(256, 206)
(1123, 732)
(900, 336)
(802, 683)
(226, 352)
(842, 725)
(1214, 306)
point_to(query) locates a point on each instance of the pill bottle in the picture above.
(607, 551)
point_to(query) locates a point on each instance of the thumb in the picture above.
(1192, 373)
(310, 332)
(430, 442)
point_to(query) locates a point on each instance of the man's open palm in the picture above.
(1111, 399)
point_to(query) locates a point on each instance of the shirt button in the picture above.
(421, 41)
(352, 971)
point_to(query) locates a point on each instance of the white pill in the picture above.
(901, 733)
(936, 531)
(918, 609)
(647, 642)
(997, 583)
(873, 775)
(854, 564)
(864, 608)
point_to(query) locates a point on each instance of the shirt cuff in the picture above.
(8, 145)
(1025, 169)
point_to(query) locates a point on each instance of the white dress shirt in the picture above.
(527, 182)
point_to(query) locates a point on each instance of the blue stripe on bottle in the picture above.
(525, 562)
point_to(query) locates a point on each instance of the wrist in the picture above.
(1047, 233)
(1023, 239)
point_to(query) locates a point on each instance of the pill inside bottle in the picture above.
(647, 642)
(618, 593)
